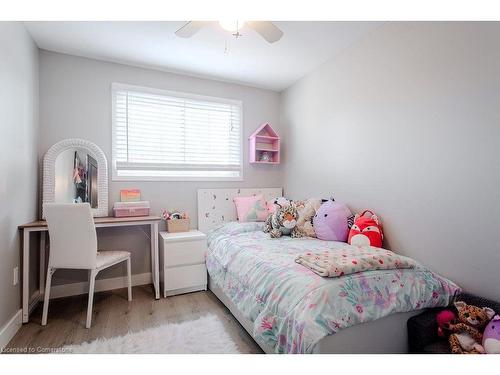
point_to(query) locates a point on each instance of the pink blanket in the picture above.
(353, 259)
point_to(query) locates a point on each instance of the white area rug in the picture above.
(204, 335)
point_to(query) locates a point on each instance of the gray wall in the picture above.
(18, 157)
(407, 122)
(75, 101)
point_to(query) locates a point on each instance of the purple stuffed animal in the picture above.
(330, 221)
(491, 336)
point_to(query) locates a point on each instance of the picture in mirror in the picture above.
(76, 177)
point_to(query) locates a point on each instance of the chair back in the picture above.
(73, 239)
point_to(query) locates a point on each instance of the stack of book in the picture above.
(130, 204)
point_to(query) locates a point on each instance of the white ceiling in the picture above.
(250, 59)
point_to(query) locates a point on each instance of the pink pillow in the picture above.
(251, 208)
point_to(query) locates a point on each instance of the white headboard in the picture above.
(216, 206)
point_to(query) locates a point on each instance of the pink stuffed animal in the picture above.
(444, 319)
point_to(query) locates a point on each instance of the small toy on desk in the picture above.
(491, 336)
(467, 334)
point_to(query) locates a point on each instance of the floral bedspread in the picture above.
(291, 307)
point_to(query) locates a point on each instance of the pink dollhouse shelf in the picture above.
(264, 146)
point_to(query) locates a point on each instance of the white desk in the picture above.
(41, 226)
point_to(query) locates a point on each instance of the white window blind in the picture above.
(174, 136)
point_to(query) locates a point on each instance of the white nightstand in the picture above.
(182, 262)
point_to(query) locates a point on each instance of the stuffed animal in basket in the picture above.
(366, 230)
(491, 336)
(445, 319)
(467, 334)
(283, 220)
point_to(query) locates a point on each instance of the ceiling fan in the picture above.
(266, 29)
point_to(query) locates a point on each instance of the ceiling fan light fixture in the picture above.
(266, 29)
(232, 26)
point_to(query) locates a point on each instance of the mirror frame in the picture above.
(49, 162)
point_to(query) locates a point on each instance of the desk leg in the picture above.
(26, 263)
(41, 281)
(155, 267)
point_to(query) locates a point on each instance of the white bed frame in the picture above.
(216, 206)
(383, 336)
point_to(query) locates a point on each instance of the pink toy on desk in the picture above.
(264, 146)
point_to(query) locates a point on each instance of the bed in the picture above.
(289, 309)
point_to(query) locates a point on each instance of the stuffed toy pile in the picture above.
(466, 336)
(325, 219)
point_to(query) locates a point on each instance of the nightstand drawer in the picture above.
(185, 277)
(182, 258)
(182, 253)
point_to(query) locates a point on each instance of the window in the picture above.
(163, 135)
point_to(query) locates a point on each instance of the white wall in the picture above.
(407, 122)
(18, 153)
(75, 101)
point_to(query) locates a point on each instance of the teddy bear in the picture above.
(467, 334)
(307, 209)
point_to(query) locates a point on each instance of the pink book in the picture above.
(130, 195)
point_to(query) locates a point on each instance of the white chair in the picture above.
(73, 244)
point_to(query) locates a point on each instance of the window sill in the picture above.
(173, 179)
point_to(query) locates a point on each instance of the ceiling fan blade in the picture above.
(267, 30)
(189, 29)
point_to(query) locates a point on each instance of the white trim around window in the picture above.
(160, 135)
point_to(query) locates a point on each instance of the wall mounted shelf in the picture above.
(264, 142)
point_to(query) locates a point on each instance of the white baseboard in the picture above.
(74, 289)
(8, 331)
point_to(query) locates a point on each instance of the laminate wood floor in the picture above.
(114, 316)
